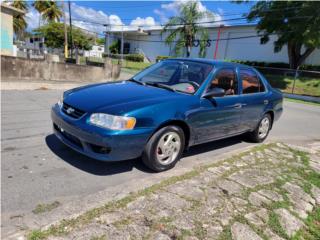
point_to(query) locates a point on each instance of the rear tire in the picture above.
(164, 148)
(262, 130)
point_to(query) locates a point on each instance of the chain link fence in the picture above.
(299, 82)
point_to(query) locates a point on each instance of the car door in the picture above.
(254, 97)
(219, 117)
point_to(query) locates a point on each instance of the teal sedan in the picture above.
(165, 109)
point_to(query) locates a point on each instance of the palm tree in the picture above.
(49, 10)
(19, 21)
(184, 29)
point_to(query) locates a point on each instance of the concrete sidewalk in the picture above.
(265, 193)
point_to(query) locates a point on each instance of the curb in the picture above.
(302, 97)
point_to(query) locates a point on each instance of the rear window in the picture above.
(251, 83)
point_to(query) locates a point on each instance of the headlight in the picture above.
(112, 122)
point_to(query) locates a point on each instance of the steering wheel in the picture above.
(194, 84)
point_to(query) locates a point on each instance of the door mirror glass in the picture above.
(215, 92)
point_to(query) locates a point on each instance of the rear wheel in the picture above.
(262, 130)
(164, 149)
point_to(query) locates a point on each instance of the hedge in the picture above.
(159, 58)
(276, 65)
(134, 57)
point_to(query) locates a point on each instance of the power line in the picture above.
(212, 40)
(221, 15)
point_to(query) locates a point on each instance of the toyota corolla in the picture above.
(165, 109)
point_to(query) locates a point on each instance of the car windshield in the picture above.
(177, 75)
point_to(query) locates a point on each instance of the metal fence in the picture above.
(293, 81)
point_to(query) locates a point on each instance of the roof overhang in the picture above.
(10, 9)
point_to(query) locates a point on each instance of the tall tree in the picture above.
(50, 10)
(54, 35)
(183, 29)
(297, 25)
(19, 21)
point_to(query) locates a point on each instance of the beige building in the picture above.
(7, 13)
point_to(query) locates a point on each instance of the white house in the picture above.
(96, 51)
(238, 42)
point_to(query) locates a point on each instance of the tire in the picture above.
(164, 148)
(262, 130)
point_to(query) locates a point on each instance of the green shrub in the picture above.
(115, 47)
(159, 58)
(134, 57)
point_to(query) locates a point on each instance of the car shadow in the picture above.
(101, 168)
(90, 165)
(214, 145)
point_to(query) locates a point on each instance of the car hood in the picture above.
(118, 97)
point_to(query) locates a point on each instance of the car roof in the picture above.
(217, 63)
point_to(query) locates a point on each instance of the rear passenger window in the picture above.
(250, 82)
(226, 79)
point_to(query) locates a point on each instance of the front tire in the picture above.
(164, 148)
(262, 130)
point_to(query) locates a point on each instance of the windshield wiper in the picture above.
(136, 81)
(160, 85)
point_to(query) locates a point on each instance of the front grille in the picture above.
(68, 136)
(72, 111)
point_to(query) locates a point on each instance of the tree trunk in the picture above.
(188, 51)
(295, 56)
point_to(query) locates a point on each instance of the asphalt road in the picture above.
(36, 168)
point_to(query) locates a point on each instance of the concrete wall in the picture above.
(20, 69)
(6, 32)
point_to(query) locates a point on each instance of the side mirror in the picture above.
(215, 92)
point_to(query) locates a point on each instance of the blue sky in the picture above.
(91, 15)
(128, 10)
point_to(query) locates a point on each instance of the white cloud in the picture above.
(32, 18)
(174, 7)
(148, 21)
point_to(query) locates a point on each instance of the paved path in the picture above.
(38, 169)
(265, 193)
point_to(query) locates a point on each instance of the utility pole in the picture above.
(70, 22)
(217, 42)
(65, 31)
(106, 40)
(122, 43)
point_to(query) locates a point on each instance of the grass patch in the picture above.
(312, 229)
(122, 223)
(302, 101)
(42, 208)
(274, 224)
(226, 234)
(102, 237)
(303, 85)
(135, 65)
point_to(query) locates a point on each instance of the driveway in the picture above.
(36, 168)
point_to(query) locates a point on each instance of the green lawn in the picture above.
(304, 85)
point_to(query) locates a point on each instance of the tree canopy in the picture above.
(19, 21)
(50, 10)
(183, 29)
(54, 36)
(297, 25)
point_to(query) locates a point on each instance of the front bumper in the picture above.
(98, 143)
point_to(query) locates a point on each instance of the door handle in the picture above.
(237, 105)
(265, 102)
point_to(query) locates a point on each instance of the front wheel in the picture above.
(164, 149)
(262, 130)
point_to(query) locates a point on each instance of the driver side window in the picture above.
(225, 79)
